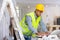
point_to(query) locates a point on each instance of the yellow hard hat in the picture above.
(40, 7)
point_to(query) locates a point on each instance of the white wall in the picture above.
(50, 13)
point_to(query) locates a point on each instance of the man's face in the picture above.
(38, 12)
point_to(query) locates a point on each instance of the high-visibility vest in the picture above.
(35, 22)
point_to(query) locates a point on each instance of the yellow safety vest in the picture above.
(35, 23)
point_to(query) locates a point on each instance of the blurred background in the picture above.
(50, 16)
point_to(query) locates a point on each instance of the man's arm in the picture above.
(44, 29)
(43, 26)
(29, 22)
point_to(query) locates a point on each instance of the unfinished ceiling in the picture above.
(53, 2)
(39, 1)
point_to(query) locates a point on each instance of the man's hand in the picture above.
(42, 34)
(47, 33)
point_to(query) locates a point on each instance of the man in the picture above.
(31, 21)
